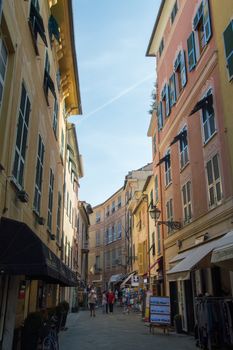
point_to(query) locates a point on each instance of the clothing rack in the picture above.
(214, 322)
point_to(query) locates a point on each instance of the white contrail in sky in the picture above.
(124, 92)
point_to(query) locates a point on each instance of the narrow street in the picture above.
(117, 331)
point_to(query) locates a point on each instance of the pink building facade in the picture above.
(190, 154)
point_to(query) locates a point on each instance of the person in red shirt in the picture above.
(111, 299)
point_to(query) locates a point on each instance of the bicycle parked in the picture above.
(50, 340)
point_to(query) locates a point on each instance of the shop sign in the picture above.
(160, 312)
(134, 281)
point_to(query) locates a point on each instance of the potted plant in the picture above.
(178, 323)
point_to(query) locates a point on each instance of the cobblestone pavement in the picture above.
(118, 332)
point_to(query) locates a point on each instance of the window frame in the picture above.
(187, 201)
(184, 152)
(5, 65)
(169, 213)
(21, 152)
(215, 182)
(206, 125)
(167, 169)
(50, 201)
(39, 175)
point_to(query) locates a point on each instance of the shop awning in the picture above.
(116, 278)
(23, 253)
(124, 283)
(182, 269)
(223, 255)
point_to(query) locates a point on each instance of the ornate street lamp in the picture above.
(155, 214)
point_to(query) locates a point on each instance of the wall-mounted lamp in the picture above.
(155, 214)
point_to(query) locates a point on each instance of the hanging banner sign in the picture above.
(160, 311)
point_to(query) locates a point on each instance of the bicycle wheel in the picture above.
(49, 344)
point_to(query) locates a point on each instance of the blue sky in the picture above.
(116, 80)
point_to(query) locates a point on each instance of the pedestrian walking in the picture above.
(104, 303)
(111, 299)
(92, 297)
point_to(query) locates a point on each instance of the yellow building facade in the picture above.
(39, 89)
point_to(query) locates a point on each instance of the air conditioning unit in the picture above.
(23, 196)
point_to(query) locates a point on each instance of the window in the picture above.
(115, 232)
(113, 206)
(187, 206)
(180, 72)
(113, 257)
(202, 26)
(154, 143)
(107, 259)
(161, 47)
(172, 89)
(3, 64)
(214, 181)
(158, 240)
(119, 230)
(153, 244)
(119, 202)
(21, 138)
(50, 203)
(55, 116)
(107, 211)
(228, 45)
(48, 83)
(97, 238)
(106, 236)
(166, 99)
(169, 213)
(58, 217)
(183, 148)
(168, 177)
(174, 12)
(36, 24)
(160, 115)
(156, 189)
(97, 262)
(62, 144)
(151, 198)
(208, 119)
(39, 176)
(97, 218)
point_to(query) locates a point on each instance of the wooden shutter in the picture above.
(167, 101)
(228, 44)
(206, 21)
(191, 51)
(183, 69)
(140, 258)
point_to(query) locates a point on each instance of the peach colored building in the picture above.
(191, 156)
(106, 262)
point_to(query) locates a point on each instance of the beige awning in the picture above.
(223, 255)
(123, 284)
(191, 258)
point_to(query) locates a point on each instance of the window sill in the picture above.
(184, 167)
(210, 138)
(168, 185)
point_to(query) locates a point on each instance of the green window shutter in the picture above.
(228, 44)
(39, 176)
(191, 51)
(168, 110)
(183, 69)
(206, 21)
(160, 116)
